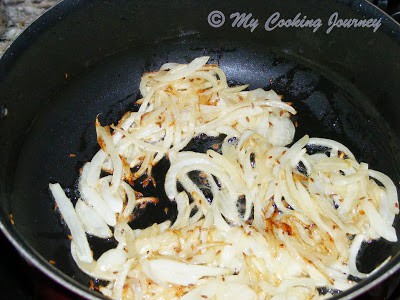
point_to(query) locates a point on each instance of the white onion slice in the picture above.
(94, 171)
(91, 221)
(131, 200)
(107, 144)
(179, 71)
(120, 281)
(354, 249)
(92, 197)
(169, 271)
(182, 202)
(88, 268)
(71, 219)
(111, 261)
(380, 226)
(390, 188)
(282, 131)
(114, 201)
(331, 144)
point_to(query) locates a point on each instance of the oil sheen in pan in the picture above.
(63, 136)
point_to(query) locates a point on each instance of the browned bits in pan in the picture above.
(216, 146)
(11, 217)
(149, 180)
(138, 195)
(92, 286)
(286, 228)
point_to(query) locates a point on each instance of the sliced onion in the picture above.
(169, 271)
(111, 261)
(107, 144)
(114, 201)
(91, 221)
(74, 224)
(182, 202)
(354, 249)
(131, 200)
(96, 165)
(262, 221)
(380, 226)
(88, 268)
(390, 188)
(331, 144)
(282, 131)
(118, 291)
(92, 197)
(180, 71)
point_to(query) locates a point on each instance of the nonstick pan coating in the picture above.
(60, 74)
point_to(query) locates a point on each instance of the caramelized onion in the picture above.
(260, 220)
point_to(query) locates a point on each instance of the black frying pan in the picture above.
(84, 58)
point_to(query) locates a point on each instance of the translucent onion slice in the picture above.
(111, 261)
(380, 226)
(354, 249)
(88, 268)
(91, 221)
(390, 188)
(164, 271)
(118, 291)
(131, 200)
(92, 197)
(74, 224)
(281, 133)
(331, 144)
(180, 71)
(182, 202)
(235, 291)
(96, 165)
(106, 143)
(113, 199)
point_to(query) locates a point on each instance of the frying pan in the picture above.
(84, 58)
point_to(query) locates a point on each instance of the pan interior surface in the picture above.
(63, 137)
